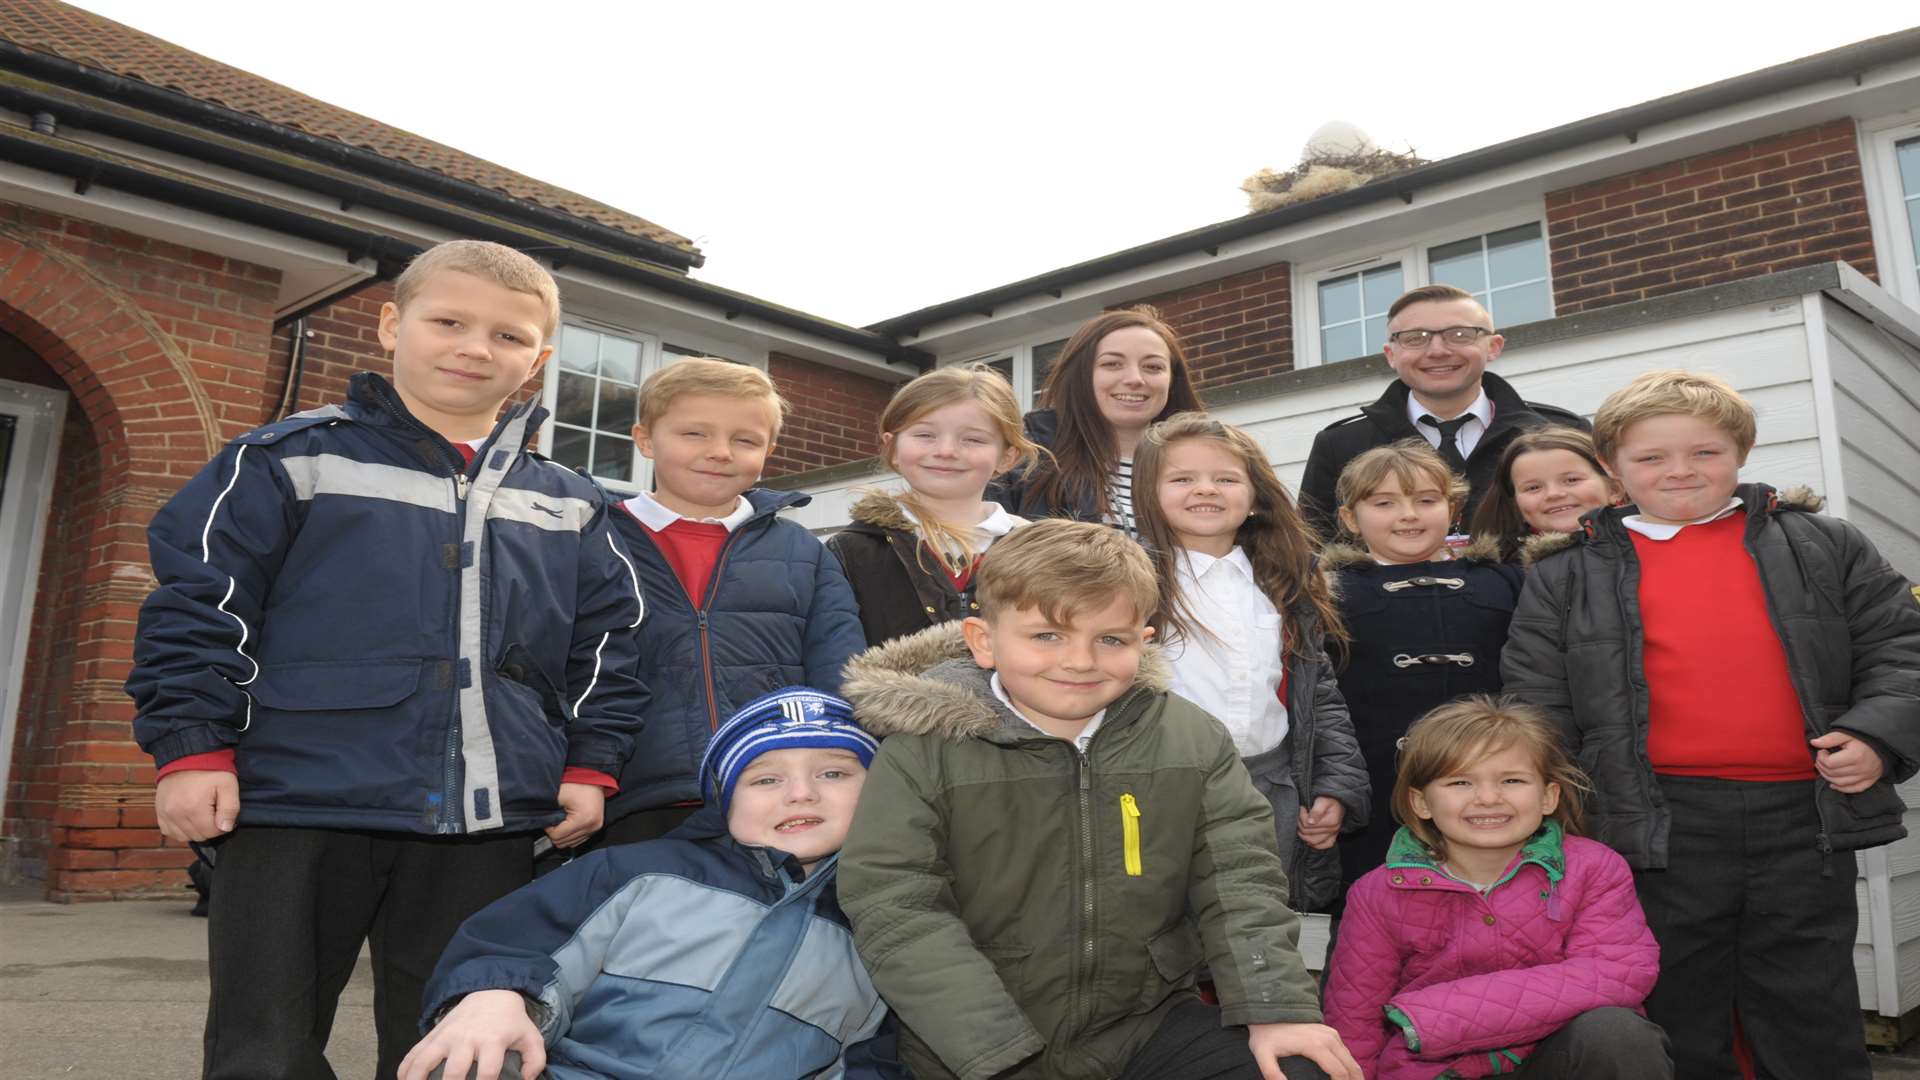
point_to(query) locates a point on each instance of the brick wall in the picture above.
(1235, 328)
(1788, 200)
(835, 417)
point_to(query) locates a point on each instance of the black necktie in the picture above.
(1450, 449)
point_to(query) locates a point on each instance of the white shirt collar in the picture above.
(1197, 563)
(997, 523)
(1481, 410)
(1079, 741)
(648, 511)
(1661, 530)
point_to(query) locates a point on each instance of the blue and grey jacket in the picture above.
(778, 612)
(693, 956)
(388, 638)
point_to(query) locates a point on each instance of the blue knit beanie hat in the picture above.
(788, 719)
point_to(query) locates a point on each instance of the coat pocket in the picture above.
(337, 685)
(1176, 956)
(1008, 959)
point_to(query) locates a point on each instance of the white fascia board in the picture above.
(1513, 187)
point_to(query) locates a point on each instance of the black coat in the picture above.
(1385, 421)
(1849, 625)
(1017, 490)
(1452, 613)
(900, 588)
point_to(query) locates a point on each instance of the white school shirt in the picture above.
(997, 524)
(1469, 434)
(1660, 530)
(1080, 741)
(650, 513)
(1235, 674)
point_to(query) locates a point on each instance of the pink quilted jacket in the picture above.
(1430, 978)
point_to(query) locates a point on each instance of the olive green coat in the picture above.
(988, 881)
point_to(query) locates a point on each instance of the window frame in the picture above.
(1411, 254)
(1025, 390)
(650, 357)
(1886, 209)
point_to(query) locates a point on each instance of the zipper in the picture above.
(1084, 768)
(700, 614)
(1130, 832)
(1824, 840)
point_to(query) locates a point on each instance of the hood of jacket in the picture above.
(1337, 557)
(880, 510)
(1756, 500)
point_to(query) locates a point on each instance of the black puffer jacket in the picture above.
(1017, 490)
(900, 588)
(1852, 636)
(1423, 634)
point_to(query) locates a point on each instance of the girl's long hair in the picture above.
(1499, 512)
(1083, 454)
(1276, 537)
(1458, 734)
(952, 542)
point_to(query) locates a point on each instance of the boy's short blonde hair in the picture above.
(1671, 393)
(708, 375)
(1064, 568)
(1411, 462)
(489, 261)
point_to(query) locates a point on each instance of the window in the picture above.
(1890, 156)
(595, 397)
(1344, 306)
(1025, 366)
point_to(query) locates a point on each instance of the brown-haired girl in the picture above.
(1245, 617)
(1118, 373)
(1426, 623)
(1496, 939)
(1546, 480)
(910, 556)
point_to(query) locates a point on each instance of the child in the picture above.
(1496, 939)
(1247, 615)
(357, 670)
(911, 557)
(1546, 480)
(718, 952)
(1425, 623)
(739, 602)
(1118, 373)
(1716, 654)
(1052, 844)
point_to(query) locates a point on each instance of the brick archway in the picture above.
(79, 800)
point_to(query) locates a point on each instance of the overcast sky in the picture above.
(862, 160)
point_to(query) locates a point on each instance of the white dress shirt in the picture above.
(1661, 530)
(1080, 741)
(1235, 673)
(648, 511)
(1468, 437)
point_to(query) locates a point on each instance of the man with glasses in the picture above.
(1439, 342)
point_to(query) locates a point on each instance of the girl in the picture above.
(1496, 939)
(1427, 624)
(1117, 374)
(1245, 617)
(1546, 480)
(910, 557)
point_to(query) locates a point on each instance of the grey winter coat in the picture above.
(1851, 631)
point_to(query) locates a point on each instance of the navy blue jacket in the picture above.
(692, 956)
(778, 612)
(387, 638)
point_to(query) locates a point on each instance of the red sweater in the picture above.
(1721, 702)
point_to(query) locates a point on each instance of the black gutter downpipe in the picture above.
(296, 365)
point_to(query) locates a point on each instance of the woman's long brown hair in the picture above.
(1083, 455)
(1276, 537)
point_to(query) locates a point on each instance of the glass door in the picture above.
(30, 421)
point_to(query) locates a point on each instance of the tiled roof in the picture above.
(82, 37)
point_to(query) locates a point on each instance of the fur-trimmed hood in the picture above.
(1799, 498)
(928, 684)
(1337, 557)
(880, 509)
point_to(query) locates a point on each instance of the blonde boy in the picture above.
(1051, 845)
(341, 681)
(739, 602)
(1715, 653)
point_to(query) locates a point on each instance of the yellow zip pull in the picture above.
(1130, 831)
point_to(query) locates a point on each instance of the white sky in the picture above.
(861, 160)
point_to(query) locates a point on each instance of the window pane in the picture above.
(1516, 255)
(1521, 304)
(1381, 287)
(1459, 264)
(570, 447)
(1376, 336)
(573, 401)
(619, 359)
(1043, 358)
(1908, 153)
(619, 405)
(612, 458)
(1341, 343)
(1340, 299)
(579, 350)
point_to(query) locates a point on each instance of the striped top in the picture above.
(1120, 498)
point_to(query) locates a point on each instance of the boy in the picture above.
(388, 645)
(739, 602)
(1439, 343)
(1051, 844)
(717, 952)
(1716, 654)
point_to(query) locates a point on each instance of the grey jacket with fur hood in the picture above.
(1849, 624)
(1032, 911)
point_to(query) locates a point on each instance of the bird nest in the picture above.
(1323, 174)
